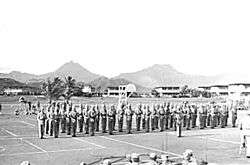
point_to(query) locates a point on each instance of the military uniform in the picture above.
(103, 115)
(97, 118)
(157, 116)
(167, 116)
(193, 115)
(114, 117)
(68, 119)
(161, 113)
(57, 122)
(51, 117)
(138, 114)
(234, 116)
(179, 119)
(47, 120)
(63, 117)
(80, 118)
(147, 114)
(73, 116)
(129, 113)
(201, 121)
(120, 115)
(86, 119)
(92, 117)
(153, 118)
(41, 117)
(144, 117)
(110, 113)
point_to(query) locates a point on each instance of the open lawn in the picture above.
(19, 141)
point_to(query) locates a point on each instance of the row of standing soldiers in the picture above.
(90, 118)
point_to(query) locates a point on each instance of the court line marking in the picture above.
(140, 146)
(33, 125)
(9, 132)
(39, 148)
(85, 141)
(220, 140)
(31, 153)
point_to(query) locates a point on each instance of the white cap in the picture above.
(25, 163)
(152, 155)
(164, 157)
(106, 162)
(135, 157)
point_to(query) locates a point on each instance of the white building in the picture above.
(168, 90)
(239, 91)
(88, 89)
(219, 90)
(9, 91)
(116, 91)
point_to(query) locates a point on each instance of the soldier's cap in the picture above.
(83, 163)
(164, 157)
(25, 163)
(152, 156)
(135, 157)
(107, 162)
(188, 153)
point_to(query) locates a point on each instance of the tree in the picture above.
(53, 89)
(184, 90)
(70, 87)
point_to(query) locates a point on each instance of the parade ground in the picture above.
(19, 141)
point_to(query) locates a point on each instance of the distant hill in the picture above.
(11, 83)
(104, 82)
(68, 69)
(164, 75)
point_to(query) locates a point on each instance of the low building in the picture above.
(116, 91)
(204, 88)
(219, 90)
(168, 91)
(239, 91)
(12, 91)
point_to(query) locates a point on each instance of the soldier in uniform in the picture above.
(204, 116)
(161, 117)
(68, 119)
(223, 116)
(193, 115)
(41, 117)
(92, 117)
(63, 108)
(103, 114)
(144, 108)
(129, 113)
(188, 117)
(51, 117)
(138, 114)
(179, 120)
(120, 114)
(86, 118)
(111, 119)
(213, 116)
(200, 112)
(171, 119)
(80, 118)
(97, 119)
(114, 117)
(57, 120)
(73, 116)
(153, 117)
(157, 116)
(234, 116)
(167, 115)
(147, 114)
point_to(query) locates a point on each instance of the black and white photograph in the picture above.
(124, 82)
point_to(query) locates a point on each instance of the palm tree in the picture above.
(70, 85)
(53, 89)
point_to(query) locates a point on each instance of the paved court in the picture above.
(19, 141)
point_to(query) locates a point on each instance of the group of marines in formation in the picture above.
(73, 118)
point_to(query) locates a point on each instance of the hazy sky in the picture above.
(112, 37)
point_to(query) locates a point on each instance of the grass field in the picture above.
(19, 141)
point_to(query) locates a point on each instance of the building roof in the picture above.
(219, 86)
(245, 84)
(168, 87)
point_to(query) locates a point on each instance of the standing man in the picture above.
(97, 118)
(144, 116)
(51, 118)
(80, 118)
(161, 117)
(73, 117)
(179, 119)
(147, 114)
(138, 114)
(103, 114)
(68, 119)
(114, 117)
(92, 117)
(86, 118)
(41, 117)
(129, 114)
(120, 115)
(111, 119)
(234, 116)
(200, 111)
(167, 115)
(63, 117)
(57, 120)
(153, 117)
